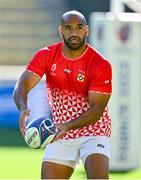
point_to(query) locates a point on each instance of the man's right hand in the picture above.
(22, 120)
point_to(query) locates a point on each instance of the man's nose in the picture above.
(74, 32)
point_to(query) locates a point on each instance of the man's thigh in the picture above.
(95, 156)
(52, 170)
(59, 159)
(97, 166)
(62, 152)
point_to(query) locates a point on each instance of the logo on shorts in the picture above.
(100, 145)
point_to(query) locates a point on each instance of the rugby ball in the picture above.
(39, 132)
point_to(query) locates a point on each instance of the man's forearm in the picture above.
(89, 117)
(26, 82)
(20, 98)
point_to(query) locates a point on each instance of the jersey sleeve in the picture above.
(101, 78)
(38, 63)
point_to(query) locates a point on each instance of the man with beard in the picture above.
(79, 87)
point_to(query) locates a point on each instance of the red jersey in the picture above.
(69, 81)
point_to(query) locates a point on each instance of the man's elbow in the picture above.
(98, 112)
(98, 115)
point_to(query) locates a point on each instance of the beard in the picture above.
(74, 46)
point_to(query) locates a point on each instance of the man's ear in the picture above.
(87, 30)
(60, 31)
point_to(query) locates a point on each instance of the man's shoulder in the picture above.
(97, 54)
(98, 57)
(50, 48)
(55, 46)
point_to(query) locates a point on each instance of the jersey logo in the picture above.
(81, 77)
(67, 71)
(53, 69)
(107, 81)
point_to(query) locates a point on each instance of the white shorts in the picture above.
(69, 152)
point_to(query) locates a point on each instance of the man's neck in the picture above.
(74, 53)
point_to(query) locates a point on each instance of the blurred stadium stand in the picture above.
(27, 25)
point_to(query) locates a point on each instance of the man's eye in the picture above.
(79, 27)
(67, 28)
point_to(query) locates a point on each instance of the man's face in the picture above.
(74, 32)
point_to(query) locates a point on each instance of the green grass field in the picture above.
(25, 163)
(17, 161)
